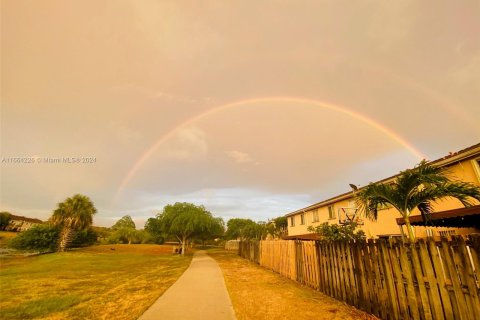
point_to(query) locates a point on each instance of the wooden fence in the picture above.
(387, 278)
(232, 245)
(250, 250)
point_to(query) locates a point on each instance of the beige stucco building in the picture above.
(464, 165)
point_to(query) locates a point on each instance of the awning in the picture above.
(456, 218)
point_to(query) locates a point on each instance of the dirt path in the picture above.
(200, 293)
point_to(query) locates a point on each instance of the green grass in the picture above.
(90, 283)
(40, 307)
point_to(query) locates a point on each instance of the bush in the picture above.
(41, 237)
(333, 232)
(84, 238)
(5, 218)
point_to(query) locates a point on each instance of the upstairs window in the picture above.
(292, 221)
(331, 212)
(302, 218)
(476, 168)
(315, 217)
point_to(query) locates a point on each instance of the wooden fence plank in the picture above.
(346, 276)
(370, 277)
(407, 272)
(449, 265)
(467, 277)
(433, 289)
(399, 280)
(392, 307)
(318, 250)
(341, 273)
(441, 278)
(361, 272)
(333, 270)
(382, 294)
(419, 276)
(328, 279)
(353, 285)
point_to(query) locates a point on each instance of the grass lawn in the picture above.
(91, 283)
(258, 293)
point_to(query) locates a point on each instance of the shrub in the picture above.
(5, 218)
(84, 238)
(333, 232)
(147, 237)
(41, 237)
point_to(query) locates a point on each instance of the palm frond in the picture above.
(463, 191)
(373, 196)
(426, 209)
(419, 187)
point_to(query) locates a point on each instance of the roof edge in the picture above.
(444, 161)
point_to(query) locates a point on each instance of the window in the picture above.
(302, 218)
(315, 217)
(331, 212)
(292, 221)
(476, 168)
(446, 233)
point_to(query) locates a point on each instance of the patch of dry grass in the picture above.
(259, 293)
(100, 282)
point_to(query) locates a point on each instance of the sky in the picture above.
(252, 108)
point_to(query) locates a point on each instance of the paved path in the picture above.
(200, 293)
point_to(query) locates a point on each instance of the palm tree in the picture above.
(75, 213)
(419, 187)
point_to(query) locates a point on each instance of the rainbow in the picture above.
(340, 109)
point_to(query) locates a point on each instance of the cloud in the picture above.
(158, 64)
(239, 157)
(227, 203)
(189, 143)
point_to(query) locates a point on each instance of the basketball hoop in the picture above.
(348, 215)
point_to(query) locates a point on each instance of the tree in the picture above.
(333, 232)
(419, 187)
(124, 231)
(85, 237)
(41, 237)
(245, 229)
(5, 218)
(154, 230)
(124, 222)
(185, 221)
(277, 227)
(216, 230)
(74, 214)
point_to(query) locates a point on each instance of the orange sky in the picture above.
(108, 79)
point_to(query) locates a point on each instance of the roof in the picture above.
(451, 158)
(306, 236)
(464, 217)
(26, 219)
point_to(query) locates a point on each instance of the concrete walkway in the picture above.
(200, 293)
